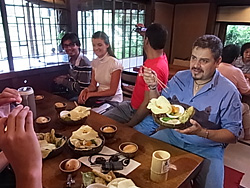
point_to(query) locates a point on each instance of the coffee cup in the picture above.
(159, 166)
(28, 98)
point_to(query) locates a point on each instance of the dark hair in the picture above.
(244, 47)
(230, 53)
(72, 37)
(212, 42)
(105, 38)
(157, 36)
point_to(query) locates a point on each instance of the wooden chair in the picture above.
(128, 82)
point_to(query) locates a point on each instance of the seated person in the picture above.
(243, 62)
(105, 86)
(229, 54)
(204, 88)
(80, 68)
(154, 42)
(19, 146)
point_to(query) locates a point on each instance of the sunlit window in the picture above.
(237, 34)
(117, 20)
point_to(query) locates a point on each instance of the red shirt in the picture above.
(160, 66)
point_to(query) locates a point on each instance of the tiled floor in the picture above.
(237, 156)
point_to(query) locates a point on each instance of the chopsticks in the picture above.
(75, 103)
(162, 85)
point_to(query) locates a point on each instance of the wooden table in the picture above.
(187, 163)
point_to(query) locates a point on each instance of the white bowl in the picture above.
(181, 111)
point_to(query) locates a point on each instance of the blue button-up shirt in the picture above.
(220, 96)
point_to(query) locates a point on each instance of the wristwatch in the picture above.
(152, 87)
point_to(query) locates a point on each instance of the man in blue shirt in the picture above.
(204, 88)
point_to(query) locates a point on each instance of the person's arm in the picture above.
(92, 87)
(243, 84)
(3, 161)
(10, 95)
(20, 146)
(115, 79)
(221, 135)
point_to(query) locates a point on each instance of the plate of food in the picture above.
(86, 141)
(51, 143)
(77, 116)
(170, 115)
(112, 179)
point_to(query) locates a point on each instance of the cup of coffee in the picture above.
(159, 166)
(28, 98)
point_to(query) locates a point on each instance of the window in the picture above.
(237, 34)
(35, 31)
(117, 19)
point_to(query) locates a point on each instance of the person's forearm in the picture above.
(153, 94)
(222, 135)
(3, 161)
(140, 114)
(103, 93)
(32, 179)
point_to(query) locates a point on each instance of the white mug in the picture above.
(159, 166)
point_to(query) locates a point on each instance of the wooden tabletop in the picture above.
(187, 164)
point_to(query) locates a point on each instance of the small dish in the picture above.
(68, 121)
(43, 121)
(108, 131)
(39, 98)
(128, 149)
(60, 106)
(70, 165)
(177, 110)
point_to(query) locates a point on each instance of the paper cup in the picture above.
(159, 166)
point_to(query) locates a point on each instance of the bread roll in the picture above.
(129, 148)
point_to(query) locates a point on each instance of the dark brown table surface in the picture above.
(187, 163)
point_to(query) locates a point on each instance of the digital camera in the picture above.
(140, 29)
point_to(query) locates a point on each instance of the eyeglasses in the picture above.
(71, 45)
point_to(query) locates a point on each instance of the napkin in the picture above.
(106, 150)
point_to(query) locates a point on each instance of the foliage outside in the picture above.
(237, 34)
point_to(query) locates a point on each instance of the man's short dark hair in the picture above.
(211, 42)
(157, 36)
(72, 37)
(230, 53)
(244, 47)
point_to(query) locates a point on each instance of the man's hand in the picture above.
(9, 96)
(195, 129)
(60, 79)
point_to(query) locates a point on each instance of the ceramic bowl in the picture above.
(60, 106)
(85, 152)
(43, 121)
(128, 149)
(68, 121)
(108, 131)
(39, 98)
(72, 164)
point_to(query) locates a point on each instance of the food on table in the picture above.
(97, 177)
(76, 114)
(88, 178)
(39, 97)
(48, 142)
(129, 148)
(160, 105)
(108, 129)
(72, 164)
(42, 119)
(122, 183)
(85, 138)
(59, 105)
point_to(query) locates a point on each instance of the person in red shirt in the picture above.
(129, 112)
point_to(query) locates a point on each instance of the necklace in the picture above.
(197, 87)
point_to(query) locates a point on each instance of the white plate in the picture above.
(181, 111)
(171, 121)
